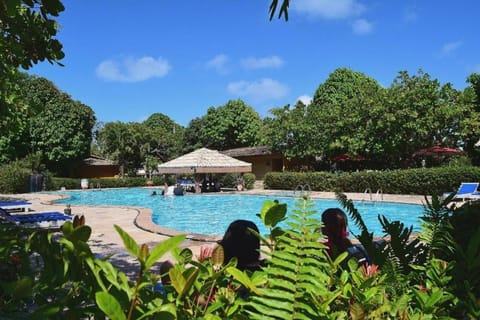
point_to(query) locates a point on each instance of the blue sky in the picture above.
(129, 59)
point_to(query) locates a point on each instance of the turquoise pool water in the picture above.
(211, 214)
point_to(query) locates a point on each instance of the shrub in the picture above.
(410, 181)
(14, 178)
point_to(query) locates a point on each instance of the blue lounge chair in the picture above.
(43, 220)
(16, 205)
(466, 191)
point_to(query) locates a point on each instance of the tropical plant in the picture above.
(299, 279)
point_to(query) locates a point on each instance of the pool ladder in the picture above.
(304, 189)
(378, 195)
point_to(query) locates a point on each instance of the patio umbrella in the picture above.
(347, 157)
(204, 161)
(438, 151)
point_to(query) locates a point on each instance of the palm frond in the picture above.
(436, 229)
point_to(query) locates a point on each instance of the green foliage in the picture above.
(408, 181)
(75, 183)
(249, 180)
(14, 178)
(305, 273)
(233, 125)
(133, 145)
(299, 279)
(28, 37)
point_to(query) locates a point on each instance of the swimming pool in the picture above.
(210, 214)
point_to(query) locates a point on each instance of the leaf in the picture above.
(163, 248)
(243, 278)
(357, 312)
(218, 255)
(19, 289)
(109, 305)
(189, 283)
(143, 252)
(177, 280)
(81, 233)
(128, 242)
(275, 214)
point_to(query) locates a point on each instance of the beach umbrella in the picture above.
(204, 161)
(437, 151)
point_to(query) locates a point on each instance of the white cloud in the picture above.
(218, 63)
(130, 69)
(329, 9)
(262, 90)
(262, 63)
(362, 26)
(306, 99)
(450, 47)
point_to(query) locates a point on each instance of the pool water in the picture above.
(210, 214)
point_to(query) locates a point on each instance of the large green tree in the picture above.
(165, 137)
(62, 132)
(418, 112)
(339, 112)
(232, 125)
(288, 132)
(27, 37)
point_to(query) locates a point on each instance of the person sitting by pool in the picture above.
(335, 229)
(240, 242)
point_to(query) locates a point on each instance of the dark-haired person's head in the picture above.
(240, 242)
(335, 229)
(334, 223)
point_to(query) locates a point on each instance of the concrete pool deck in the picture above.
(136, 221)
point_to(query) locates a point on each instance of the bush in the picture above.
(411, 181)
(249, 179)
(14, 178)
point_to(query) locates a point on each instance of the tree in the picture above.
(63, 133)
(470, 125)
(339, 112)
(117, 141)
(191, 139)
(419, 112)
(288, 131)
(165, 137)
(27, 37)
(233, 125)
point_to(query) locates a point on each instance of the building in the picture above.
(263, 160)
(97, 167)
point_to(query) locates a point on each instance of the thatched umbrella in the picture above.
(204, 161)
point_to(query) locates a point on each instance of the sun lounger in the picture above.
(42, 220)
(22, 205)
(466, 191)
